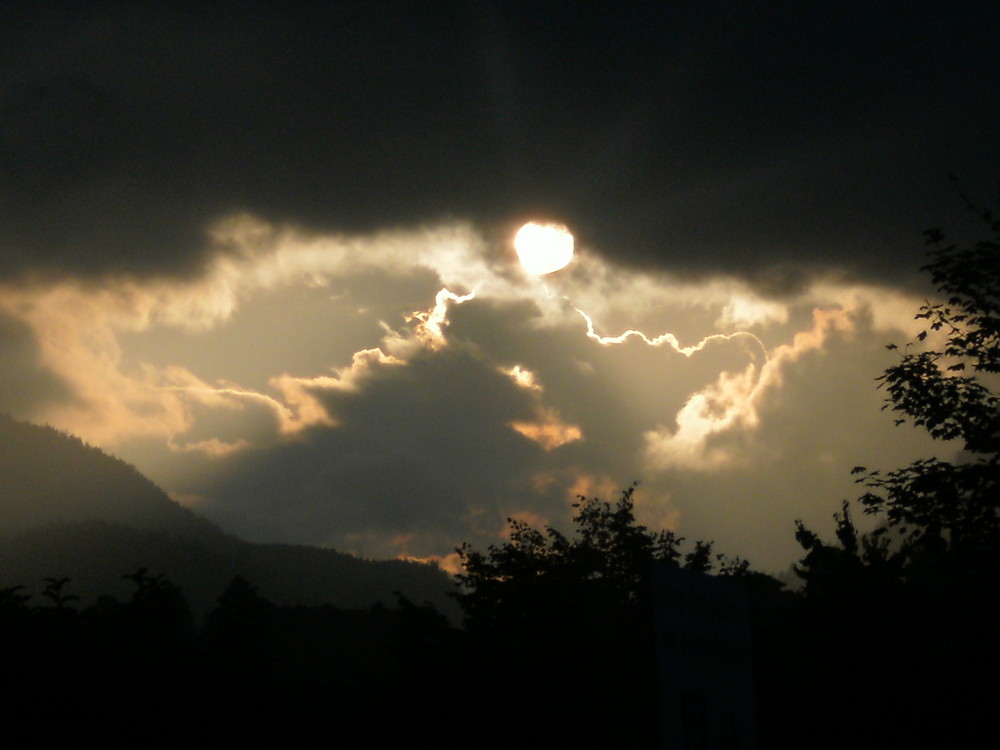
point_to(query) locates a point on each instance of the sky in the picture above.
(265, 254)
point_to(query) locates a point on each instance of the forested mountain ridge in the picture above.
(70, 510)
(47, 475)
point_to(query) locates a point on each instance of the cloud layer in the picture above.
(263, 251)
(403, 391)
(695, 136)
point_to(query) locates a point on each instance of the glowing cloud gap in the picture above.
(732, 403)
(430, 324)
(665, 338)
(548, 430)
(208, 392)
(522, 377)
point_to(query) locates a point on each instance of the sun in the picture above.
(543, 248)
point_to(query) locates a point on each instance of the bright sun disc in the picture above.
(543, 248)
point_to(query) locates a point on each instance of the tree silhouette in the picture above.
(913, 603)
(609, 560)
(13, 598)
(158, 608)
(54, 592)
(240, 620)
(950, 389)
(860, 560)
(565, 623)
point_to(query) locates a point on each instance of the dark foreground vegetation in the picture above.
(879, 649)
(892, 640)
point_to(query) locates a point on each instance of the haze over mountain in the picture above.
(69, 509)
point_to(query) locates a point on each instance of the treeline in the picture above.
(95, 553)
(887, 643)
(557, 648)
(143, 672)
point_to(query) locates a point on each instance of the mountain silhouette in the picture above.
(48, 476)
(68, 509)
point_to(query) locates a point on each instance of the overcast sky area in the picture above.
(265, 254)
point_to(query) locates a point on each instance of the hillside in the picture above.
(48, 476)
(68, 509)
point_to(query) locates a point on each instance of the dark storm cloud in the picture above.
(418, 450)
(447, 445)
(127, 128)
(697, 135)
